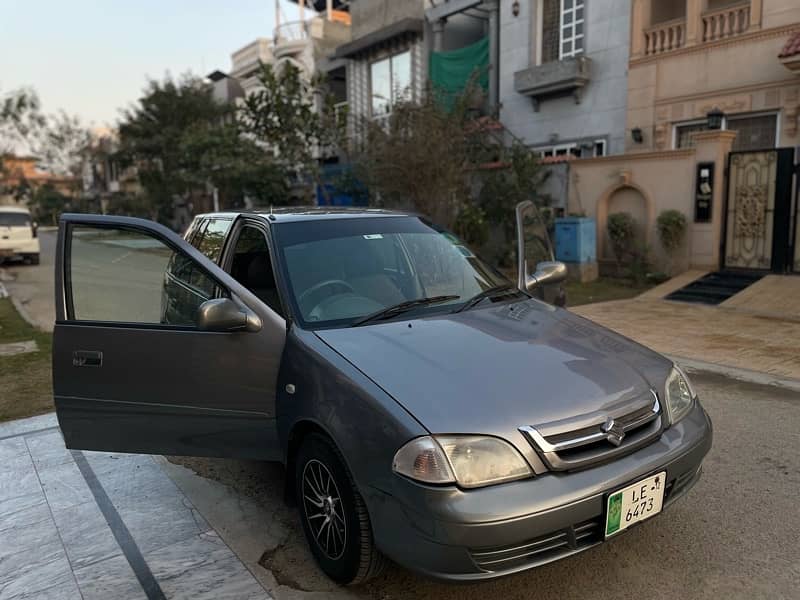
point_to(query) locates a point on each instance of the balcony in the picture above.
(557, 78)
(665, 37)
(670, 25)
(726, 22)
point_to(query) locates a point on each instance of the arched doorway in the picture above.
(629, 198)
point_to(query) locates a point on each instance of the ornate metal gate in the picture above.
(759, 233)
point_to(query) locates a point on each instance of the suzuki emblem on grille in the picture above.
(614, 431)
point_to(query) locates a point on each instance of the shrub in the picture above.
(671, 226)
(622, 232)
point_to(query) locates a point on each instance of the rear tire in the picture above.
(33, 259)
(333, 514)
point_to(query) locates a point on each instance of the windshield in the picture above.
(339, 271)
(14, 219)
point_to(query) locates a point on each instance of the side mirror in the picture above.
(551, 271)
(223, 314)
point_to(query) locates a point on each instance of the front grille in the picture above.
(543, 549)
(567, 446)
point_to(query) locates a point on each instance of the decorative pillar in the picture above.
(640, 18)
(694, 22)
(755, 13)
(705, 238)
(493, 6)
(438, 34)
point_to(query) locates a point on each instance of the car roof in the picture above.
(14, 209)
(288, 214)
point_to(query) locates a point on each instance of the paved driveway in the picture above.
(103, 526)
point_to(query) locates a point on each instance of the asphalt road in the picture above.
(32, 285)
(734, 535)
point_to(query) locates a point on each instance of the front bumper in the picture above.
(466, 535)
(13, 248)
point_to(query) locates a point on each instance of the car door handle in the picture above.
(87, 358)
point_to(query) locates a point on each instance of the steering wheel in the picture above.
(322, 285)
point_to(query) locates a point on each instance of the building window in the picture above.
(588, 149)
(754, 132)
(390, 82)
(683, 133)
(571, 31)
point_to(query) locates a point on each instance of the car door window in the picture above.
(211, 240)
(118, 274)
(252, 266)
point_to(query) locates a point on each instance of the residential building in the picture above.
(20, 177)
(563, 74)
(689, 57)
(387, 59)
(712, 121)
(304, 43)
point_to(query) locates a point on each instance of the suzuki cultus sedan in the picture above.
(427, 409)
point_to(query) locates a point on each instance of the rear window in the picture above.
(14, 219)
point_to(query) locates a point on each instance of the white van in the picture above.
(18, 236)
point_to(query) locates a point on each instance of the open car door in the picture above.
(158, 350)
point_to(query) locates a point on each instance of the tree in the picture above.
(20, 118)
(60, 145)
(47, 203)
(418, 158)
(181, 139)
(442, 159)
(295, 119)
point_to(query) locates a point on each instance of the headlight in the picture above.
(680, 394)
(472, 461)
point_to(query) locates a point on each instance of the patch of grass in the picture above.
(26, 387)
(603, 290)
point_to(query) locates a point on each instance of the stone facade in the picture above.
(526, 41)
(716, 55)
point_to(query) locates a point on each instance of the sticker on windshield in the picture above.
(373, 236)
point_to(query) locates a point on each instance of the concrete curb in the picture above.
(23, 312)
(745, 375)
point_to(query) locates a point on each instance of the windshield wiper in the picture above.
(391, 311)
(492, 292)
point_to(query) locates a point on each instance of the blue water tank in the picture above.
(576, 240)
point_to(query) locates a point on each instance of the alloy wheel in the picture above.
(323, 509)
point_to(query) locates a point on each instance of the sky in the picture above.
(92, 58)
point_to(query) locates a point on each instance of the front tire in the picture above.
(33, 259)
(334, 517)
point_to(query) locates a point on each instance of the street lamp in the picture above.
(715, 118)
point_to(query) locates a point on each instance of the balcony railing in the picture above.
(291, 31)
(665, 37)
(726, 22)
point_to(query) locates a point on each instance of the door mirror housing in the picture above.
(551, 271)
(223, 314)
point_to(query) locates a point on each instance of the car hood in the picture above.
(492, 370)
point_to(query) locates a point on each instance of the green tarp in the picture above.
(451, 71)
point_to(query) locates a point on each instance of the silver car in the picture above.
(426, 408)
